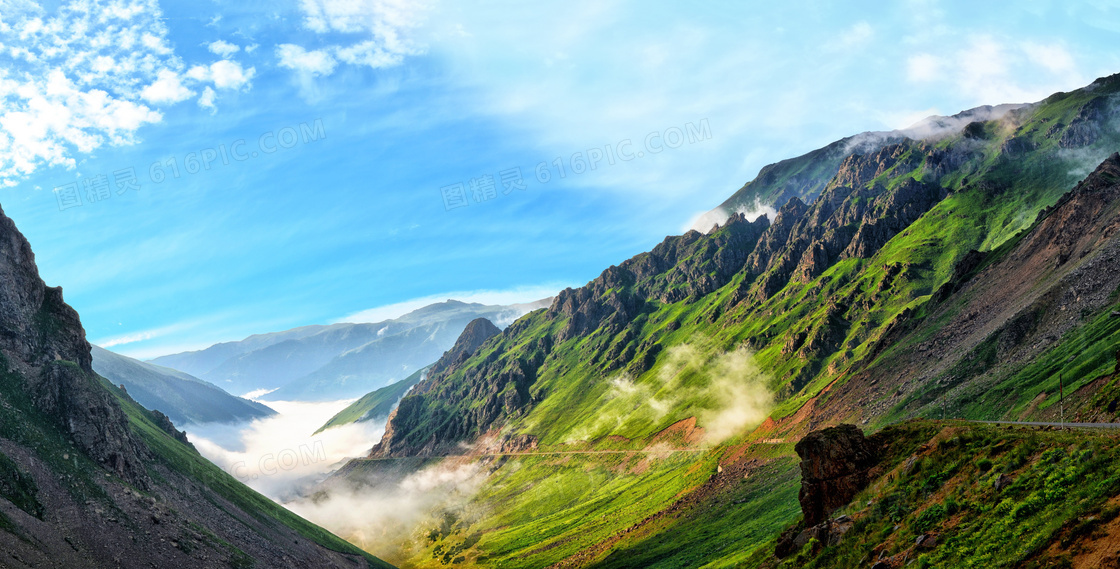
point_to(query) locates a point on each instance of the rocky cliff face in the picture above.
(43, 342)
(994, 316)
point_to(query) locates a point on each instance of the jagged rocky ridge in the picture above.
(816, 291)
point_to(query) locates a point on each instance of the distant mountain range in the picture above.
(181, 396)
(338, 361)
(379, 404)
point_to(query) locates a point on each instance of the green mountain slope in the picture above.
(810, 294)
(947, 494)
(182, 397)
(376, 405)
(840, 308)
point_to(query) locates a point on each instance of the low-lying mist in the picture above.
(383, 514)
(279, 456)
(727, 392)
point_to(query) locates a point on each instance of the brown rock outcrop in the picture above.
(834, 467)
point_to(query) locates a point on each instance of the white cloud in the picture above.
(384, 521)
(206, 100)
(83, 74)
(225, 74)
(79, 76)
(371, 53)
(167, 88)
(1054, 58)
(141, 336)
(127, 339)
(924, 67)
(277, 454)
(223, 48)
(45, 118)
(315, 62)
(377, 34)
(704, 221)
(860, 34)
(230, 75)
(386, 19)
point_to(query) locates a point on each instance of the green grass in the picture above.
(992, 201)
(17, 487)
(375, 405)
(1010, 389)
(534, 511)
(1061, 486)
(723, 531)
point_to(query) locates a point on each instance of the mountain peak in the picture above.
(936, 127)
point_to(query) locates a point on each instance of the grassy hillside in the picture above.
(376, 405)
(70, 496)
(182, 397)
(820, 321)
(1055, 504)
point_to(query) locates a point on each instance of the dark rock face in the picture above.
(164, 422)
(43, 342)
(679, 268)
(517, 443)
(1085, 129)
(828, 532)
(852, 218)
(835, 463)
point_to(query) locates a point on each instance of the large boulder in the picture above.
(835, 465)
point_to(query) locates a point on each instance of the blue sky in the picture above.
(348, 218)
